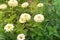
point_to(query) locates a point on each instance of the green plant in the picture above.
(49, 29)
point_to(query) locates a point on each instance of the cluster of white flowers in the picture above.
(24, 17)
(26, 4)
(21, 37)
(14, 3)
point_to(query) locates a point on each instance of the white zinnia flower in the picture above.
(13, 3)
(40, 5)
(22, 20)
(38, 18)
(3, 6)
(25, 4)
(8, 27)
(26, 16)
(21, 37)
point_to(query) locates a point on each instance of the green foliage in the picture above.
(47, 30)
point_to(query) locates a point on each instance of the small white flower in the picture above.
(26, 16)
(40, 5)
(13, 3)
(22, 20)
(8, 27)
(38, 18)
(21, 37)
(3, 6)
(25, 4)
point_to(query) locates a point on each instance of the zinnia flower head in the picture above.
(13, 3)
(26, 16)
(21, 37)
(38, 18)
(8, 27)
(25, 4)
(40, 5)
(3, 6)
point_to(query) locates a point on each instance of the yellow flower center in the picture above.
(39, 17)
(21, 37)
(9, 27)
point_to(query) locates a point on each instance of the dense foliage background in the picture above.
(47, 30)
